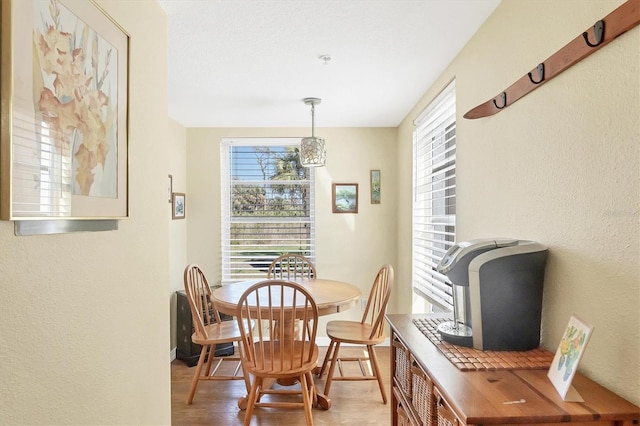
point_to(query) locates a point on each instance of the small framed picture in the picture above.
(567, 357)
(344, 197)
(179, 205)
(375, 186)
(170, 189)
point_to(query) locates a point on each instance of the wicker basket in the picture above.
(446, 417)
(403, 417)
(403, 367)
(423, 399)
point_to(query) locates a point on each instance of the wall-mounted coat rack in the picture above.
(604, 31)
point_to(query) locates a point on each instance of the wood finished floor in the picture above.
(215, 403)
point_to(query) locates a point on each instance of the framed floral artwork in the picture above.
(567, 357)
(344, 197)
(178, 205)
(64, 148)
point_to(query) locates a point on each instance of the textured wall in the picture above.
(177, 227)
(560, 166)
(82, 312)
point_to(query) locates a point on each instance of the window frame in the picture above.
(226, 205)
(434, 187)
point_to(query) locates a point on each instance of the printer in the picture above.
(497, 293)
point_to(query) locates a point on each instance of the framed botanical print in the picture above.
(64, 84)
(375, 186)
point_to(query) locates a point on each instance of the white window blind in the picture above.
(434, 196)
(267, 205)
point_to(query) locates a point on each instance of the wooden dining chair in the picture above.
(278, 353)
(290, 266)
(368, 332)
(209, 331)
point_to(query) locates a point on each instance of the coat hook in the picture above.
(598, 32)
(503, 97)
(540, 69)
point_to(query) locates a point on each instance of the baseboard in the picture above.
(172, 355)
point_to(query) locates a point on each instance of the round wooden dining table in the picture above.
(330, 296)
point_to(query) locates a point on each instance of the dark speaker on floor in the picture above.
(186, 350)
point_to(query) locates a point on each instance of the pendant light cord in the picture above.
(313, 108)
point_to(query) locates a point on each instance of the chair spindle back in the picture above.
(280, 303)
(290, 266)
(378, 301)
(199, 296)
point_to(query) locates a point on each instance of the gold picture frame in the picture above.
(64, 110)
(178, 205)
(344, 197)
(374, 184)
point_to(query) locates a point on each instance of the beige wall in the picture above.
(83, 311)
(177, 227)
(560, 166)
(85, 316)
(350, 247)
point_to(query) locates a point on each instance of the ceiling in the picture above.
(250, 63)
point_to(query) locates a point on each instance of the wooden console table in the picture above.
(429, 390)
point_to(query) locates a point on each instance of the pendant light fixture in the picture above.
(312, 150)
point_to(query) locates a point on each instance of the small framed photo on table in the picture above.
(567, 357)
(178, 205)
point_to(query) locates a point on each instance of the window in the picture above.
(267, 205)
(434, 197)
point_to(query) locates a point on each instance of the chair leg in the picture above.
(376, 369)
(251, 400)
(312, 390)
(327, 357)
(304, 387)
(212, 350)
(196, 376)
(247, 381)
(334, 361)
